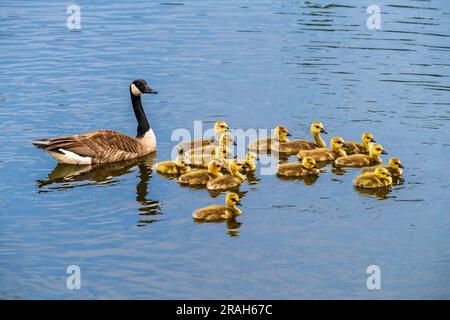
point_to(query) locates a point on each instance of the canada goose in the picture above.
(223, 141)
(219, 128)
(360, 148)
(266, 144)
(173, 167)
(377, 179)
(395, 167)
(294, 146)
(362, 160)
(201, 177)
(218, 213)
(306, 167)
(323, 154)
(104, 146)
(202, 160)
(227, 181)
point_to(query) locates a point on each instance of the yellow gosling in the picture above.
(202, 160)
(294, 146)
(224, 141)
(201, 177)
(173, 167)
(377, 179)
(307, 167)
(220, 213)
(323, 154)
(394, 167)
(363, 160)
(266, 144)
(219, 128)
(360, 148)
(227, 181)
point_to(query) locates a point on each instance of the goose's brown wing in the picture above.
(101, 145)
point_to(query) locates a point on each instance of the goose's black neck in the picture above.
(143, 125)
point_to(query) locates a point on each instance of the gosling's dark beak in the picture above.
(315, 166)
(289, 135)
(150, 90)
(344, 145)
(234, 143)
(323, 131)
(401, 166)
(384, 152)
(239, 204)
(372, 140)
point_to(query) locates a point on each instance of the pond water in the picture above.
(254, 64)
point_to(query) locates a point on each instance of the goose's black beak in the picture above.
(234, 143)
(401, 166)
(288, 134)
(150, 90)
(344, 145)
(323, 131)
(372, 140)
(239, 204)
(384, 152)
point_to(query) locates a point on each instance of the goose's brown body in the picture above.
(100, 146)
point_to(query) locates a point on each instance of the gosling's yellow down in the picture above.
(377, 179)
(227, 181)
(395, 167)
(173, 167)
(218, 213)
(224, 140)
(307, 167)
(360, 148)
(201, 177)
(294, 146)
(323, 154)
(219, 128)
(363, 160)
(266, 144)
(202, 160)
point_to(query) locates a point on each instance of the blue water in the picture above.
(254, 64)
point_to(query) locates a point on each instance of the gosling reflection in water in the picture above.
(66, 176)
(380, 193)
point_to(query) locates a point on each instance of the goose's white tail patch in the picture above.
(69, 157)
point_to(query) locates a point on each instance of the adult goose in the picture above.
(105, 146)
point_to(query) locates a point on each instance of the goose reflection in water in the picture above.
(66, 176)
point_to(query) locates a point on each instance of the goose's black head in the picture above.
(140, 86)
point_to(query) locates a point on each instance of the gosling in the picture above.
(323, 154)
(224, 140)
(395, 167)
(227, 181)
(202, 160)
(266, 144)
(219, 128)
(220, 213)
(377, 179)
(294, 146)
(178, 166)
(363, 160)
(360, 148)
(307, 167)
(201, 177)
